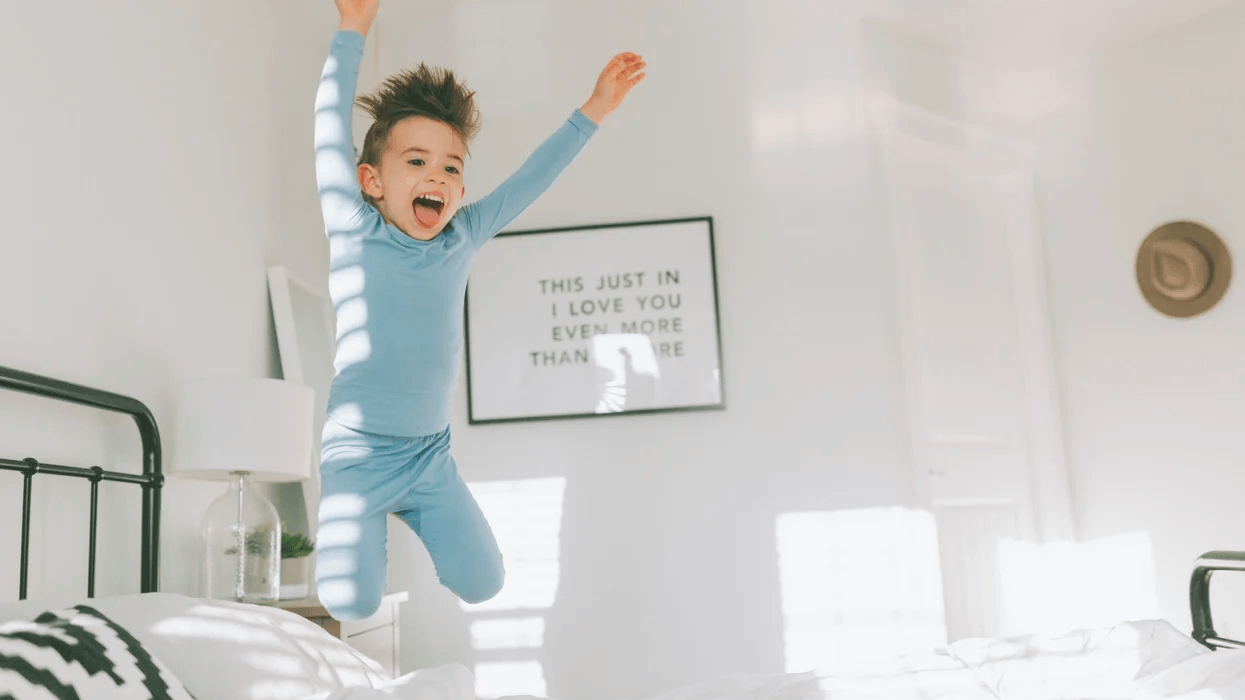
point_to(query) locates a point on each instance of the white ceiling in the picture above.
(1019, 33)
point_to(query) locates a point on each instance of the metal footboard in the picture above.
(1199, 596)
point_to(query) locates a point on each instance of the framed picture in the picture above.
(595, 320)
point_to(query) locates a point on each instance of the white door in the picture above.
(984, 424)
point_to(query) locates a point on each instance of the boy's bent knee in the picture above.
(484, 585)
(345, 602)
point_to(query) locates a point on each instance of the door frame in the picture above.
(992, 151)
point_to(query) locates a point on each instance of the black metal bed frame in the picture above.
(151, 480)
(1199, 596)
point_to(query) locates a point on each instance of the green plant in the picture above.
(293, 546)
(255, 541)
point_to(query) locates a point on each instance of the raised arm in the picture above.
(341, 201)
(483, 219)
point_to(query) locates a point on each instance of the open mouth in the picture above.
(428, 209)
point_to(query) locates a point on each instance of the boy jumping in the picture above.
(400, 253)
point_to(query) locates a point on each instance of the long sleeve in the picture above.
(341, 201)
(484, 218)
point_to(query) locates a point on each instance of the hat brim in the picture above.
(1216, 254)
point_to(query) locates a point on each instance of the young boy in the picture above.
(400, 253)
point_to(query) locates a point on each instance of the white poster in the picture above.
(586, 321)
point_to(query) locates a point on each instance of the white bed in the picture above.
(227, 651)
(169, 646)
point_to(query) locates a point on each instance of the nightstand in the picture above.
(376, 637)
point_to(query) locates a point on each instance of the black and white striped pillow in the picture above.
(79, 654)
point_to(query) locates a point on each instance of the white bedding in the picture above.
(1146, 660)
(229, 651)
(226, 651)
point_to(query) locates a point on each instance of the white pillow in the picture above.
(231, 651)
(80, 653)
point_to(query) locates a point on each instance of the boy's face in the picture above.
(418, 185)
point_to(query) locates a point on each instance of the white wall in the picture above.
(1153, 404)
(139, 160)
(1125, 133)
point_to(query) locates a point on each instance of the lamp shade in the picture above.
(260, 426)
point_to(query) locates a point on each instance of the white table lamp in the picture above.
(238, 430)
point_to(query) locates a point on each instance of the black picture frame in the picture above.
(522, 278)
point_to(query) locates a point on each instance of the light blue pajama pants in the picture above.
(363, 478)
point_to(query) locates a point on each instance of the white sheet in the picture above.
(454, 682)
(1143, 660)
(449, 682)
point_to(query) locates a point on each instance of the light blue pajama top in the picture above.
(399, 301)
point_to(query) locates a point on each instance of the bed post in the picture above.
(150, 433)
(1199, 596)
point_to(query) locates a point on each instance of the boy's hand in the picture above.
(620, 75)
(357, 15)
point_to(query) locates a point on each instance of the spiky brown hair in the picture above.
(420, 92)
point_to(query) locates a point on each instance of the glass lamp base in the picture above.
(242, 546)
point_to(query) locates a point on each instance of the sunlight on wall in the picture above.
(635, 378)
(1053, 588)
(518, 633)
(526, 516)
(858, 587)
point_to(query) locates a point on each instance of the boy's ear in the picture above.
(369, 181)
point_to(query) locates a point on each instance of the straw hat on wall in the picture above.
(1183, 269)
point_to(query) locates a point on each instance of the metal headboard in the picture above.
(151, 480)
(1199, 596)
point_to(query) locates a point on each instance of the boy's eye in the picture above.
(416, 162)
(451, 169)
